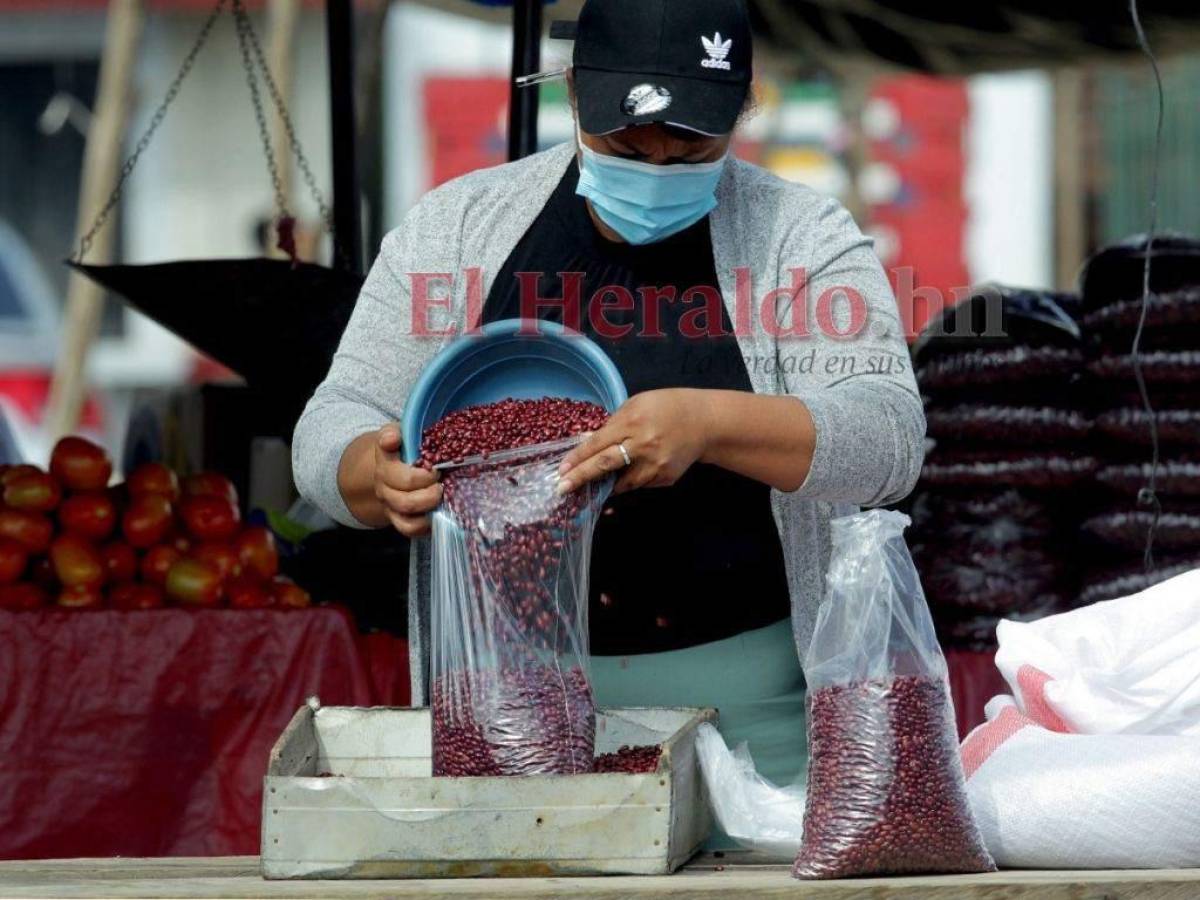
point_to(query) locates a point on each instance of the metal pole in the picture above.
(347, 218)
(526, 60)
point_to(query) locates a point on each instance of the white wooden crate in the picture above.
(381, 814)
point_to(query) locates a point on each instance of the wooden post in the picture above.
(101, 162)
(1070, 177)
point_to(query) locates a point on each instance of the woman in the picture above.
(755, 330)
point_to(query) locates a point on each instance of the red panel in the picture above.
(465, 120)
(928, 219)
(147, 733)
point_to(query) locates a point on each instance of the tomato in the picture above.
(194, 582)
(36, 493)
(81, 596)
(120, 562)
(41, 573)
(179, 539)
(153, 478)
(221, 555)
(157, 563)
(135, 596)
(76, 562)
(91, 514)
(257, 551)
(22, 596)
(14, 557)
(210, 484)
(80, 465)
(31, 529)
(12, 473)
(147, 520)
(287, 593)
(247, 593)
(210, 518)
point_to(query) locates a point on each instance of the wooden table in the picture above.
(238, 877)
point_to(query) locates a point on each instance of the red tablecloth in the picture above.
(147, 733)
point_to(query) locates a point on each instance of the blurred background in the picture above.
(1011, 175)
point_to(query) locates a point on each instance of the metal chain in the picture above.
(242, 22)
(85, 243)
(281, 109)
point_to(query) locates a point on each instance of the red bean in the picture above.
(630, 760)
(492, 427)
(535, 720)
(511, 697)
(886, 794)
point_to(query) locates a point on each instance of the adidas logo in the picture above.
(717, 51)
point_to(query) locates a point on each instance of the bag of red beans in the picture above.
(510, 691)
(886, 793)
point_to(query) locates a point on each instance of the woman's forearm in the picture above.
(770, 439)
(356, 481)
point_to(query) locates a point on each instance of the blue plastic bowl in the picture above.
(500, 363)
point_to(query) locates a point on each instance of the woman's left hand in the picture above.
(664, 432)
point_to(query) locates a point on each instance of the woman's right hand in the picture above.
(407, 493)
(380, 489)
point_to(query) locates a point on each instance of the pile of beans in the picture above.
(492, 427)
(533, 720)
(886, 793)
(630, 760)
(518, 701)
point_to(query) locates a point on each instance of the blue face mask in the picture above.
(645, 203)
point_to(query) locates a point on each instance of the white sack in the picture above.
(1095, 760)
(1126, 666)
(1073, 801)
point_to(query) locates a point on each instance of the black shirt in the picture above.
(701, 560)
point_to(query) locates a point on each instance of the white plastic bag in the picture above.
(1126, 666)
(1044, 799)
(750, 809)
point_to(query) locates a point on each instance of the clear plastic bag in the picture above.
(757, 814)
(1177, 530)
(1176, 427)
(977, 424)
(886, 793)
(510, 690)
(1047, 471)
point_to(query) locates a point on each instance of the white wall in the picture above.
(1009, 181)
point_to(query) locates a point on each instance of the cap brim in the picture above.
(707, 107)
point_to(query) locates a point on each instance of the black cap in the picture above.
(677, 62)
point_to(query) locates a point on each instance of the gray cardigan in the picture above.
(860, 391)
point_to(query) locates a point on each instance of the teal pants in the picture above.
(754, 680)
